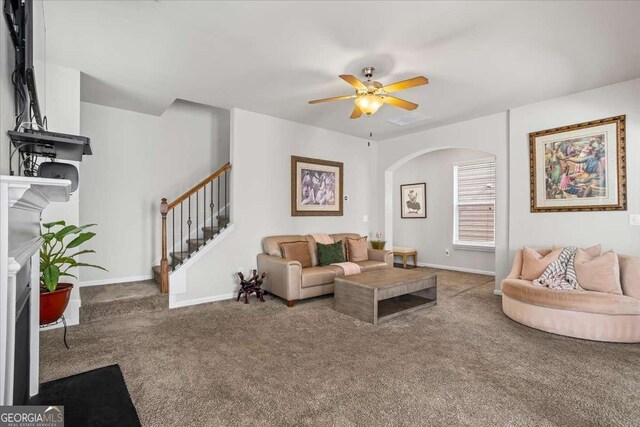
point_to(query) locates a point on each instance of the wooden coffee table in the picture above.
(384, 294)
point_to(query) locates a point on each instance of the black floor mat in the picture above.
(95, 398)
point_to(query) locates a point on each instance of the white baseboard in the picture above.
(497, 292)
(462, 269)
(117, 280)
(177, 304)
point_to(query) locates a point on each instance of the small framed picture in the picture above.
(413, 200)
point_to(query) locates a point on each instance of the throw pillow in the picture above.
(595, 250)
(600, 273)
(357, 249)
(297, 251)
(329, 254)
(534, 264)
(630, 275)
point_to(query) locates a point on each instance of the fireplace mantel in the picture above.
(22, 200)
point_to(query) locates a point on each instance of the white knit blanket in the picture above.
(560, 275)
(349, 268)
(323, 239)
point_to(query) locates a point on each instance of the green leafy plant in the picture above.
(55, 259)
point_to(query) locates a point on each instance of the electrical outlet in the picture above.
(365, 218)
(447, 252)
(634, 219)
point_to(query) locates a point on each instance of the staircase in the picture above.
(192, 221)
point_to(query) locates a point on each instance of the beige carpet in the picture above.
(461, 362)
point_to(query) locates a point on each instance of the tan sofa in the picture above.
(580, 314)
(288, 280)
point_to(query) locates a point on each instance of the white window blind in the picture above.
(474, 201)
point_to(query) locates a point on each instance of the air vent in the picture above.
(407, 119)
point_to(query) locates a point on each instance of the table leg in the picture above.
(404, 261)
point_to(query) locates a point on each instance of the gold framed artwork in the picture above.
(316, 187)
(580, 167)
(413, 200)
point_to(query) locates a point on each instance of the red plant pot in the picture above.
(53, 304)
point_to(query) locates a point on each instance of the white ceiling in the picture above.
(272, 57)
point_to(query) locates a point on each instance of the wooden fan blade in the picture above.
(356, 113)
(334, 98)
(406, 84)
(400, 103)
(353, 81)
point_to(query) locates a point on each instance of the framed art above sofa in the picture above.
(580, 167)
(316, 187)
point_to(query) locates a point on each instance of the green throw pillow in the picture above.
(328, 254)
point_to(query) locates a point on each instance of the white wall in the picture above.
(488, 134)
(261, 155)
(612, 229)
(138, 159)
(60, 102)
(432, 235)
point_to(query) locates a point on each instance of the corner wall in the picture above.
(137, 160)
(261, 179)
(611, 229)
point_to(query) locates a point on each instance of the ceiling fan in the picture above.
(370, 95)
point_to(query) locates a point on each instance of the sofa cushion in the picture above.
(598, 273)
(371, 265)
(630, 275)
(316, 276)
(271, 244)
(328, 254)
(297, 251)
(342, 237)
(585, 301)
(534, 263)
(357, 249)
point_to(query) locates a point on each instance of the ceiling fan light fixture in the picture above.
(369, 103)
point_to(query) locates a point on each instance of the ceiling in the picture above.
(273, 57)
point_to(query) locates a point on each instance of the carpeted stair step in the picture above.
(157, 274)
(194, 244)
(104, 302)
(210, 232)
(178, 257)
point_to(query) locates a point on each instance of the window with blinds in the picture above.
(474, 198)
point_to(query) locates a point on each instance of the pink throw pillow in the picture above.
(598, 274)
(534, 264)
(630, 275)
(595, 250)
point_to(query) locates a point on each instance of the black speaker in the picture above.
(60, 171)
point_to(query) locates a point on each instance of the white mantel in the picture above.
(22, 200)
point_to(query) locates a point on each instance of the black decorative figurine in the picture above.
(251, 286)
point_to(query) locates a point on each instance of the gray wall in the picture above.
(611, 229)
(138, 159)
(431, 236)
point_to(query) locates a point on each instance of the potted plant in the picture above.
(55, 262)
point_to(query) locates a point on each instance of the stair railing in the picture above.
(217, 188)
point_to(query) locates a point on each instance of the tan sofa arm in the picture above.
(284, 278)
(381, 255)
